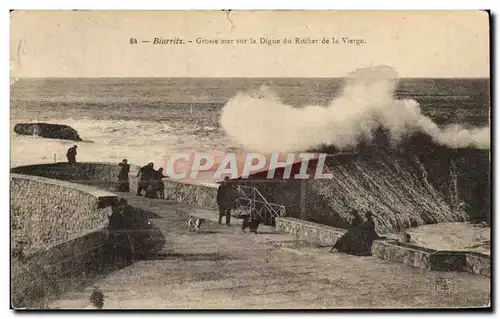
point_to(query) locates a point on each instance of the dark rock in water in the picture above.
(59, 131)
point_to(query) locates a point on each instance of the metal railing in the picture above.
(252, 202)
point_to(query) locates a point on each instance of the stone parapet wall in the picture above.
(430, 259)
(104, 175)
(310, 232)
(478, 263)
(55, 269)
(192, 194)
(48, 211)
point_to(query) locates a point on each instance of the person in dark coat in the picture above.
(369, 225)
(369, 232)
(120, 245)
(123, 183)
(71, 154)
(359, 238)
(224, 200)
(152, 186)
(160, 185)
(352, 240)
(145, 175)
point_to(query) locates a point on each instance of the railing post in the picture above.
(303, 199)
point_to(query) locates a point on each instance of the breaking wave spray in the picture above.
(396, 187)
(261, 122)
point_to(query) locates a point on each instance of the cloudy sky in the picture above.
(97, 44)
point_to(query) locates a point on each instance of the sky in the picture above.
(97, 43)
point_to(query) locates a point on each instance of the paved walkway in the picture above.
(223, 268)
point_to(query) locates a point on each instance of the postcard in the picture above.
(250, 160)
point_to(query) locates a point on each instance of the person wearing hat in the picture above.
(123, 183)
(224, 200)
(352, 241)
(120, 244)
(71, 154)
(159, 184)
(145, 175)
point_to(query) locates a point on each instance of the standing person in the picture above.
(123, 183)
(121, 245)
(71, 154)
(145, 175)
(369, 225)
(160, 186)
(369, 232)
(151, 189)
(224, 200)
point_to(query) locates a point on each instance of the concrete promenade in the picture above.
(223, 268)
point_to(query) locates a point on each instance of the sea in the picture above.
(146, 119)
(432, 176)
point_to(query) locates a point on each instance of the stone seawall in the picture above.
(402, 253)
(57, 230)
(192, 194)
(48, 211)
(391, 250)
(103, 175)
(56, 268)
(478, 263)
(310, 232)
(430, 259)
(202, 195)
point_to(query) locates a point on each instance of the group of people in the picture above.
(151, 184)
(150, 180)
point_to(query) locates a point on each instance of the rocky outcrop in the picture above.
(59, 131)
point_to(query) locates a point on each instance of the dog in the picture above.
(253, 224)
(194, 223)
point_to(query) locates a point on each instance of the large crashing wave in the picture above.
(404, 168)
(366, 103)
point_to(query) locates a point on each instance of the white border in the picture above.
(253, 5)
(180, 5)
